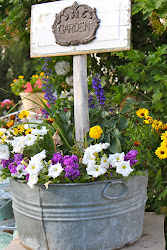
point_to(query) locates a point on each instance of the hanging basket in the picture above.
(92, 216)
(31, 101)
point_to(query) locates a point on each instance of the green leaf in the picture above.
(158, 3)
(157, 96)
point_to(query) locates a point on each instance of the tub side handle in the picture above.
(126, 190)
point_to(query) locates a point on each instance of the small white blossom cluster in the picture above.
(97, 166)
(69, 80)
(62, 68)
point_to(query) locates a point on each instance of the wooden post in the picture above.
(81, 108)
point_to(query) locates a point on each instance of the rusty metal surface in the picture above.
(76, 24)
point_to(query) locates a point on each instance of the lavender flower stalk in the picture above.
(99, 92)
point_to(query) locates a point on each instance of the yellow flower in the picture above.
(11, 84)
(164, 136)
(28, 131)
(10, 123)
(15, 80)
(142, 113)
(36, 76)
(146, 121)
(33, 75)
(164, 144)
(21, 77)
(3, 139)
(21, 128)
(149, 118)
(164, 126)
(15, 131)
(23, 114)
(42, 74)
(95, 132)
(161, 152)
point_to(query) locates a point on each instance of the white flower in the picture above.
(88, 156)
(4, 152)
(40, 156)
(104, 162)
(18, 144)
(113, 158)
(42, 131)
(123, 168)
(62, 68)
(30, 139)
(33, 179)
(105, 145)
(69, 80)
(36, 164)
(21, 171)
(96, 170)
(55, 170)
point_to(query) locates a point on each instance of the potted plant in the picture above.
(29, 91)
(71, 195)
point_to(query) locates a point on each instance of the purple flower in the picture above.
(18, 158)
(57, 157)
(99, 92)
(6, 162)
(130, 156)
(47, 87)
(91, 100)
(71, 167)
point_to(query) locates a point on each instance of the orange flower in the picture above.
(10, 123)
(136, 143)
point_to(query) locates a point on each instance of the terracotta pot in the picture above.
(31, 101)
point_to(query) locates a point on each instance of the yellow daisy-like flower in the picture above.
(164, 144)
(23, 114)
(33, 76)
(161, 152)
(21, 77)
(42, 74)
(10, 123)
(164, 136)
(15, 80)
(149, 118)
(21, 128)
(164, 126)
(142, 113)
(3, 139)
(28, 131)
(15, 131)
(95, 132)
(146, 121)
(11, 84)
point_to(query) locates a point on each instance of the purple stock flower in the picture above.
(71, 169)
(6, 162)
(99, 92)
(57, 157)
(130, 156)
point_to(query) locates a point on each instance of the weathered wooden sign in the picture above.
(76, 24)
(88, 26)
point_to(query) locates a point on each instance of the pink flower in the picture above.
(29, 87)
(6, 102)
(39, 83)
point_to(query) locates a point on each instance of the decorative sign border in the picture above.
(84, 21)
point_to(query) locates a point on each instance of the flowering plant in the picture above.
(33, 85)
(5, 106)
(25, 154)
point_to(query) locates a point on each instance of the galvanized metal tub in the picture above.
(90, 216)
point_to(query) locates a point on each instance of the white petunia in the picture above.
(34, 167)
(18, 144)
(123, 168)
(33, 179)
(55, 170)
(113, 158)
(104, 162)
(40, 156)
(30, 139)
(88, 156)
(105, 145)
(96, 170)
(42, 131)
(20, 170)
(4, 152)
